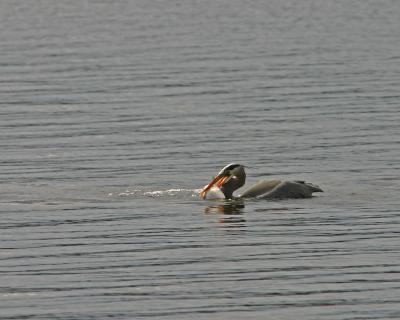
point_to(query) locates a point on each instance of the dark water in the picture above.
(114, 113)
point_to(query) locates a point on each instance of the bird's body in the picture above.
(233, 176)
(276, 189)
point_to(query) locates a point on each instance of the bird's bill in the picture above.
(218, 181)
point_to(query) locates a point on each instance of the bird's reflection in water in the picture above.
(230, 211)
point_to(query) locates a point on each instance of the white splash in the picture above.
(159, 193)
(128, 193)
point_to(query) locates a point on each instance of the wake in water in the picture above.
(158, 193)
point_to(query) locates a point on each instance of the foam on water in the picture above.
(174, 192)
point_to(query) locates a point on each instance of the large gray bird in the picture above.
(233, 176)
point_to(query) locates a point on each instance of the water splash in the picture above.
(173, 192)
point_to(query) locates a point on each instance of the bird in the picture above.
(233, 176)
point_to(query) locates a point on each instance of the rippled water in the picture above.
(114, 114)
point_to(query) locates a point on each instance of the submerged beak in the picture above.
(219, 180)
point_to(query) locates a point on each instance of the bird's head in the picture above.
(228, 179)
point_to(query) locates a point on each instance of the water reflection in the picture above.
(231, 211)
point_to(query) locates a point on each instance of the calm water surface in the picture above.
(114, 114)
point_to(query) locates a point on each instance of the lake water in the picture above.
(114, 113)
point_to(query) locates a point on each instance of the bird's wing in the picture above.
(289, 189)
(260, 188)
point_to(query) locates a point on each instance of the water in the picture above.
(114, 114)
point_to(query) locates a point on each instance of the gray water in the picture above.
(114, 113)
